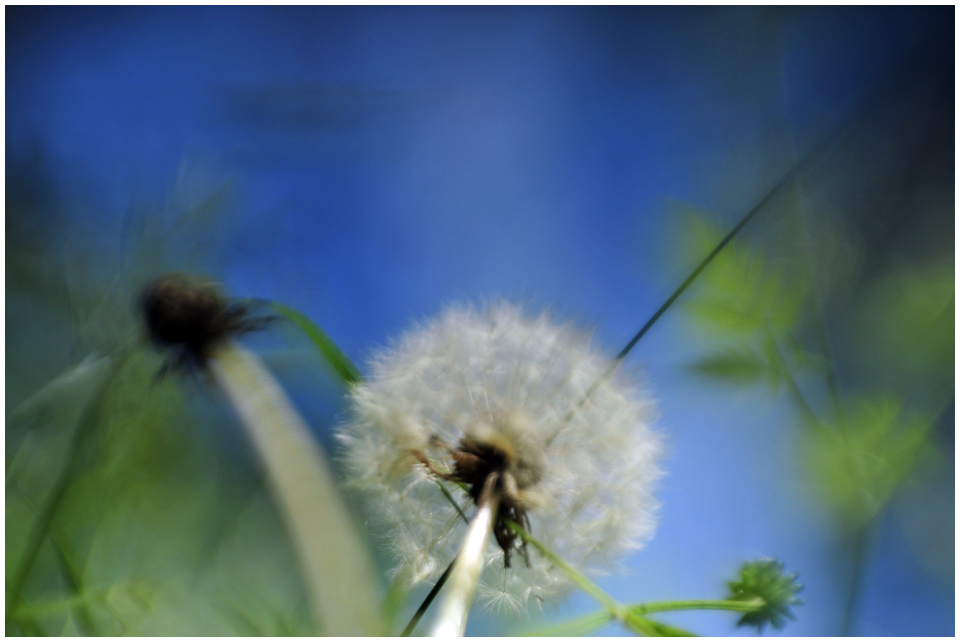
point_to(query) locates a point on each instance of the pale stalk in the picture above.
(336, 567)
(452, 617)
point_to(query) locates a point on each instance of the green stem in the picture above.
(58, 606)
(584, 583)
(795, 391)
(631, 616)
(577, 627)
(856, 574)
(443, 578)
(826, 347)
(787, 178)
(73, 580)
(742, 606)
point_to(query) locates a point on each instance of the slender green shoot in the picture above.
(582, 582)
(577, 627)
(741, 606)
(336, 357)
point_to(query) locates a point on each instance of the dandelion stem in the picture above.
(337, 570)
(452, 619)
(630, 616)
(443, 578)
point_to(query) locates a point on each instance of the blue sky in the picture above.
(386, 161)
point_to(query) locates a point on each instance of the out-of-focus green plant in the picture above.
(861, 461)
(771, 312)
(128, 510)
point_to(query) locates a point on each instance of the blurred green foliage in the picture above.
(861, 461)
(129, 508)
(860, 339)
(768, 309)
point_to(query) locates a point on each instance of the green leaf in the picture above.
(740, 292)
(857, 464)
(778, 370)
(330, 350)
(732, 365)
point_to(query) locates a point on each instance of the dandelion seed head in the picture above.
(495, 380)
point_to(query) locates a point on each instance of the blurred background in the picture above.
(368, 166)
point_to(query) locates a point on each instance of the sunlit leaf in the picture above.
(724, 316)
(740, 292)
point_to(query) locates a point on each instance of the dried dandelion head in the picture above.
(476, 392)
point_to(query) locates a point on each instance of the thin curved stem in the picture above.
(428, 601)
(783, 182)
(583, 582)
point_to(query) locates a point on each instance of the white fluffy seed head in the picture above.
(585, 466)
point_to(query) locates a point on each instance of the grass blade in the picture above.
(330, 350)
